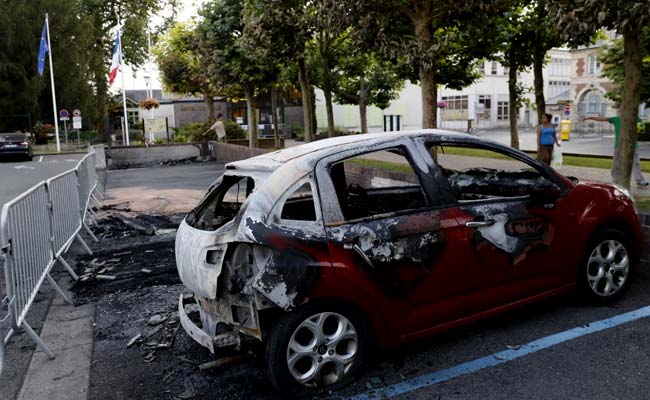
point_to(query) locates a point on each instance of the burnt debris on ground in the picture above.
(141, 351)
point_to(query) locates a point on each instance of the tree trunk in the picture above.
(327, 90)
(276, 122)
(209, 101)
(305, 91)
(251, 116)
(363, 106)
(539, 54)
(424, 37)
(624, 155)
(512, 105)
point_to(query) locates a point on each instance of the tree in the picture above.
(221, 29)
(363, 79)
(104, 15)
(627, 17)
(442, 40)
(179, 57)
(332, 21)
(281, 29)
(22, 89)
(612, 58)
(518, 36)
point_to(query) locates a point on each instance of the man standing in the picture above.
(636, 162)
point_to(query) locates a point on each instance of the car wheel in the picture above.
(317, 347)
(607, 269)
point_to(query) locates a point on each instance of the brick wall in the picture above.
(226, 152)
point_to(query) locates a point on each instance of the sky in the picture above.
(134, 80)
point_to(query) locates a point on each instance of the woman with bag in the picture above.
(546, 138)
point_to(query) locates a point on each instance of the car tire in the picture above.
(607, 267)
(324, 364)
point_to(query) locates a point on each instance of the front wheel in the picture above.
(317, 347)
(607, 270)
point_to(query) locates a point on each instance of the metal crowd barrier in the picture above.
(36, 229)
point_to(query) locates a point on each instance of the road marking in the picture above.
(502, 357)
(70, 160)
(40, 159)
(23, 167)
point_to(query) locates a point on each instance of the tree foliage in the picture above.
(221, 31)
(180, 58)
(362, 78)
(612, 58)
(441, 40)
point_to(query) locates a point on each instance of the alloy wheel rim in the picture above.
(608, 268)
(322, 349)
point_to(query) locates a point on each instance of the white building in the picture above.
(486, 102)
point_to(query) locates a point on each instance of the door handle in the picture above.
(355, 247)
(479, 224)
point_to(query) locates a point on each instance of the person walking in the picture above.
(636, 161)
(546, 138)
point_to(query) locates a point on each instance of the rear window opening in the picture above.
(222, 204)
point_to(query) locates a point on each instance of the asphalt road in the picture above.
(18, 176)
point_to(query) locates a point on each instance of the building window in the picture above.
(593, 65)
(481, 68)
(456, 108)
(594, 102)
(134, 118)
(484, 107)
(494, 67)
(560, 67)
(506, 71)
(556, 88)
(502, 110)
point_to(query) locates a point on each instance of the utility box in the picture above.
(565, 129)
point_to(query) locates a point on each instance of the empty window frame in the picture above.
(300, 205)
(381, 182)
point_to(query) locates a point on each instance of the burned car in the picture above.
(326, 250)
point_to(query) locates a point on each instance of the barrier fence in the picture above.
(36, 229)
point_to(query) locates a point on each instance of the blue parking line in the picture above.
(469, 367)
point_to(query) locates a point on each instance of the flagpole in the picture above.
(49, 53)
(126, 115)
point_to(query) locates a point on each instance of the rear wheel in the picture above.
(608, 267)
(317, 347)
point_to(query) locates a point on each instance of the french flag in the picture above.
(115, 62)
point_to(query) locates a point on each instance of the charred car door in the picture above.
(388, 239)
(517, 218)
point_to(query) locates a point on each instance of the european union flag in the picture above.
(42, 50)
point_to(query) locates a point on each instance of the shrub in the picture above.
(159, 141)
(644, 135)
(234, 130)
(297, 132)
(42, 131)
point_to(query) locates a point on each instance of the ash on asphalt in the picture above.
(134, 284)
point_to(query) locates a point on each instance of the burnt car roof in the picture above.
(314, 151)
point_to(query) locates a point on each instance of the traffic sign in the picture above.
(76, 113)
(76, 122)
(567, 109)
(64, 114)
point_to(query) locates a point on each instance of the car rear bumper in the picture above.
(19, 151)
(197, 333)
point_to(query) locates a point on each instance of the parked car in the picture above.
(15, 145)
(326, 250)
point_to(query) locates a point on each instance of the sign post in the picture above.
(76, 124)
